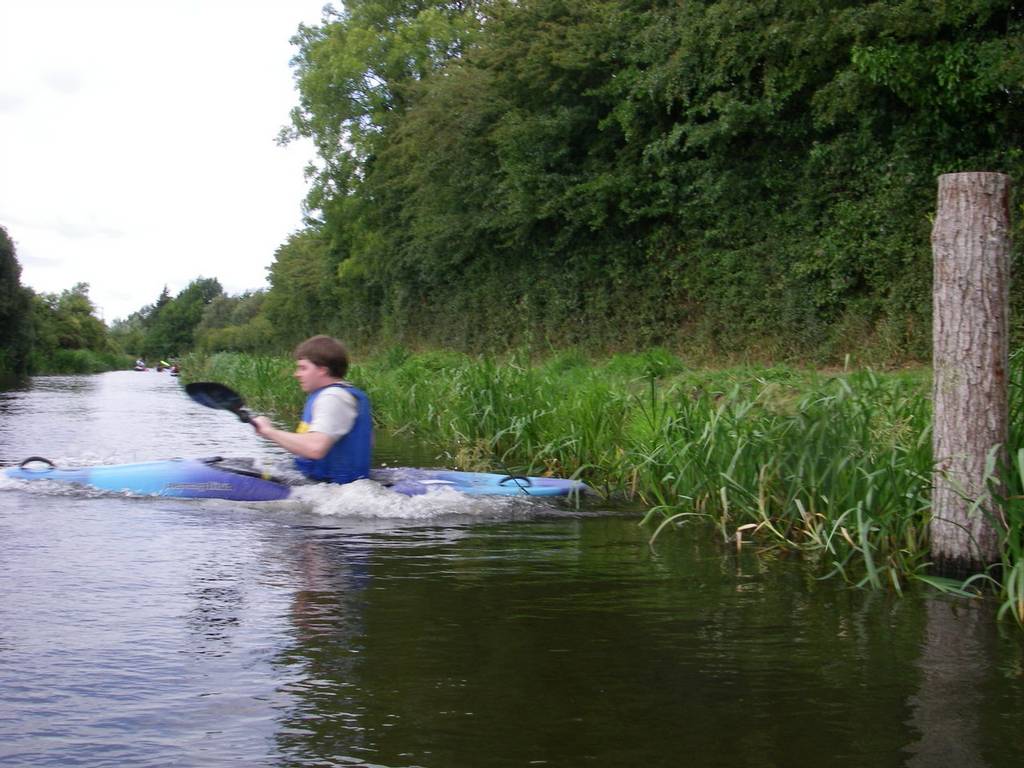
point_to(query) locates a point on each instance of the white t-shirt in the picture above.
(334, 412)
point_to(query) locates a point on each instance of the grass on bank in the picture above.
(69, 361)
(835, 466)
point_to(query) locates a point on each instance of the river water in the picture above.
(355, 627)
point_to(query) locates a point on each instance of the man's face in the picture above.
(311, 376)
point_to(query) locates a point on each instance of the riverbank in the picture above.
(833, 465)
(65, 361)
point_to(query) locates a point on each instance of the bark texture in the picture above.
(971, 248)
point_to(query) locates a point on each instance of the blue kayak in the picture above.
(217, 478)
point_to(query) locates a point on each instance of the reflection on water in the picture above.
(349, 630)
(219, 605)
(949, 703)
(329, 636)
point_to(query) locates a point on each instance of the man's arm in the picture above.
(308, 445)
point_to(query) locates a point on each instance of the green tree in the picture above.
(161, 301)
(69, 338)
(16, 332)
(67, 320)
(744, 175)
(171, 327)
(129, 333)
(76, 322)
(303, 295)
(234, 323)
(354, 73)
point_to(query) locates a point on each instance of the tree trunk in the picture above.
(971, 247)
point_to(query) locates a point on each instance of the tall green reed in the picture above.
(1008, 576)
(842, 473)
(837, 468)
(265, 382)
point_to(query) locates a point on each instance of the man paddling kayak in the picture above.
(334, 440)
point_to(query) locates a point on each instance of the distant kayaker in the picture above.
(334, 440)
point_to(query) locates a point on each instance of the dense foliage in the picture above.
(48, 332)
(15, 319)
(167, 328)
(728, 175)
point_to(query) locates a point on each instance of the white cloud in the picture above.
(63, 81)
(11, 101)
(139, 143)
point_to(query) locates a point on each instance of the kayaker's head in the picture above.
(320, 360)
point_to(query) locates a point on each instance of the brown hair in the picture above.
(325, 351)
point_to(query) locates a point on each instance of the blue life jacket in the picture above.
(349, 457)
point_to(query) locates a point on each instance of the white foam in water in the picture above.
(361, 499)
(365, 498)
(7, 483)
(54, 488)
(125, 417)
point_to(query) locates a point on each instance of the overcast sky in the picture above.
(137, 142)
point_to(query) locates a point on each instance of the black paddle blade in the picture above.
(214, 395)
